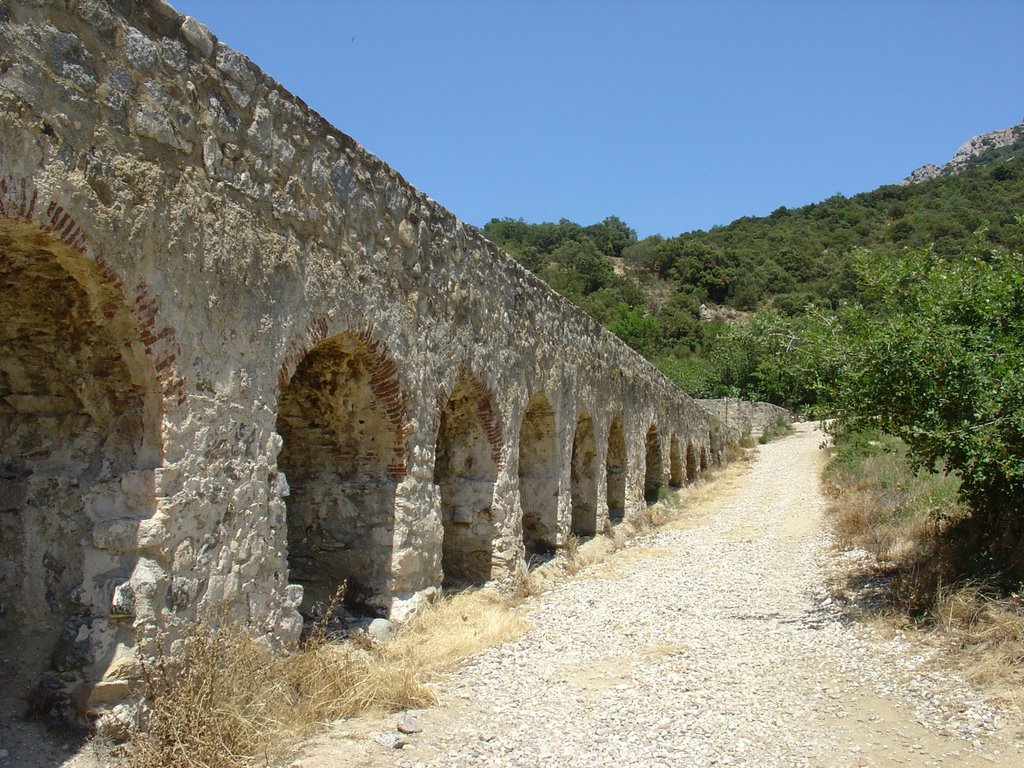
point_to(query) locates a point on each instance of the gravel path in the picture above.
(707, 644)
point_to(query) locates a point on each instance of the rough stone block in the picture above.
(119, 535)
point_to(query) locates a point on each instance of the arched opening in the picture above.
(691, 463)
(79, 427)
(584, 478)
(652, 466)
(703, 459)
(675, 464)
(615, 471)
(465, 469)
(343, 455)
(538, 476)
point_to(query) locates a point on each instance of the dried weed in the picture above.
(227, 701)
(900, 517)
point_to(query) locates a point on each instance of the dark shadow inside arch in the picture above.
(339, 454)
(691, 463)
(538, 476)
(652, 465)
(79, 432)
(615, 472)
(675, 464)
(465, 470)
(584, 478)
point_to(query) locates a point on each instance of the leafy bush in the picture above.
(941, 366)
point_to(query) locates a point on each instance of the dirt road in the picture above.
(713, 642)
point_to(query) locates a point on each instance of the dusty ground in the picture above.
(30, 744)
(714, 642)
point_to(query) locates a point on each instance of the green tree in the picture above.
(638, 329)
(612, 236)
(577, 268)
(643, 254)
(941, 365)
(679, 321)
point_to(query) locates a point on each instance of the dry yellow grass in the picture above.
(229, 702)
(894, 513)
(622, 563)
(695, 503)
(900, 517)
(987, 636)
(678, 509)
(452, 629)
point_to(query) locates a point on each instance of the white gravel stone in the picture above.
(721, 647)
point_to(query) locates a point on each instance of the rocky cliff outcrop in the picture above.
(970, 151)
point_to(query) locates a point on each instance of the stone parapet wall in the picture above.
(280, 319)
(745, 416)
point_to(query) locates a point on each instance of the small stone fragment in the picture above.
(390, 740)
(198, 35)
(380, 629)
(407, 724)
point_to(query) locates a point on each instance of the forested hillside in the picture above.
(782, 267)
(897, 311)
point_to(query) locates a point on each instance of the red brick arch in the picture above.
(484, 409)
(384, 381)
(20, 201)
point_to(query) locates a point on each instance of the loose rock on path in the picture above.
(707, 644)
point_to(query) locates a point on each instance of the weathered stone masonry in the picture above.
(243, 360)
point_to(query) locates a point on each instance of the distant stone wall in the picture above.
(745, 416)
(244, 361)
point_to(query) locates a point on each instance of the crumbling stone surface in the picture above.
(654, 467)
(243, 361)
(342, 456)
(615, 471)
(676, 477)
(744, 417)
(539, 476)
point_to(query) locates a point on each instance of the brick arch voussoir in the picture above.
(20, 201)
(484, 410)
(314, 333)
(387, 389)
(384, 382)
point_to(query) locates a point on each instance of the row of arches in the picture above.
(342, 454)
(80, 416)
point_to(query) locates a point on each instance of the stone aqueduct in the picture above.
(243, 360)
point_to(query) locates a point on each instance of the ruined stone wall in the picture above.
(745, 416)
(232, 338)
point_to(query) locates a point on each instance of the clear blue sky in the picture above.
(671, 115)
